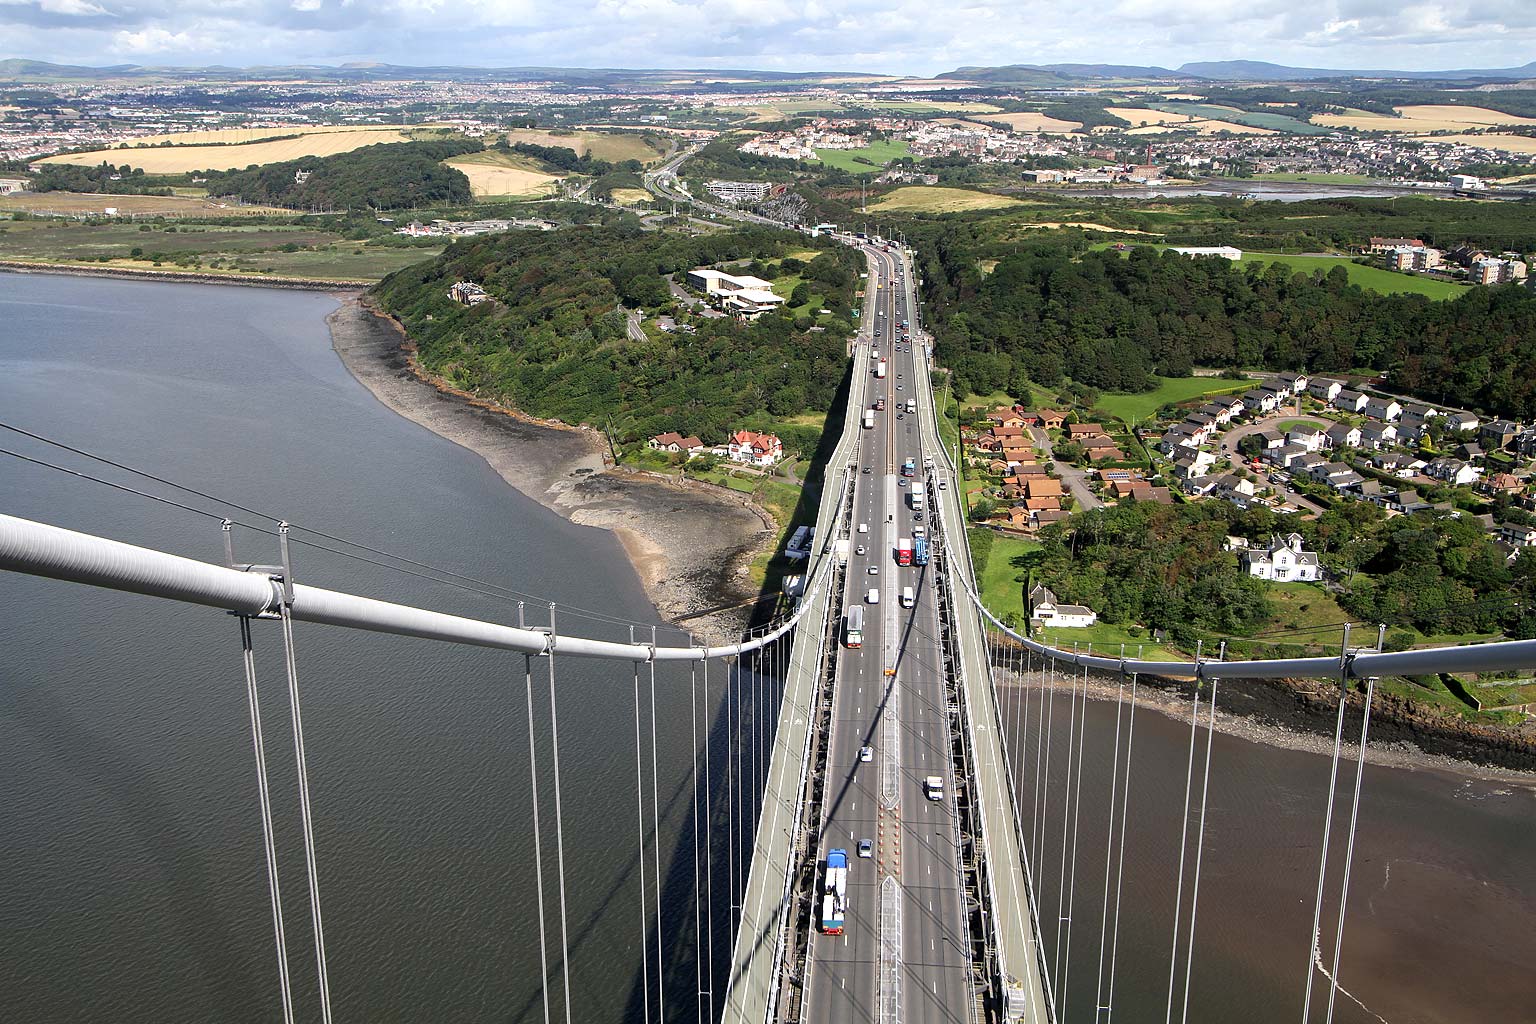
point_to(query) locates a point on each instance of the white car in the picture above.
(873, 597)
(863, 527)
(866, 754)
(860, 550)
(874, 570)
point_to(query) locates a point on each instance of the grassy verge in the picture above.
(1133, 408)
(1107, 637)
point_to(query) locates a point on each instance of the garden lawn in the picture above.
(1106, 638)
(1002, 580)
(1134, 408)
(1376, 279)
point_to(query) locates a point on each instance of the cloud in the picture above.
(899, 36)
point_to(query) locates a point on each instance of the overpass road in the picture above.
(889, 696)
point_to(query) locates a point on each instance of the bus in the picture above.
(853, 627)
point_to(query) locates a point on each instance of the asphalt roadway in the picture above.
(901, 716)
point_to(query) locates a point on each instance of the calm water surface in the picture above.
(134, 889)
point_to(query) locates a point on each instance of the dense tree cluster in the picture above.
(1165, 567)
(566, 159)
(102, 178)
(554, 344)
(388, 176)
(1112, 321)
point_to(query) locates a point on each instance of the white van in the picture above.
(873, 597)
(863, 527)
(908, 599)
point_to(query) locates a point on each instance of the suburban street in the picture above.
(1072, 477)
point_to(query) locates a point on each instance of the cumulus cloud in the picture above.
(899, 36)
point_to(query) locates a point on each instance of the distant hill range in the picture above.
(1219, 71)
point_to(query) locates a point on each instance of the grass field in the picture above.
(931, 106)
(868, 160)
(1033, 122)
(1137, 407)
(1288, 425)
(1376, 279)
(1002, 582)
(935, 199)
(1106, 638)
(181, 159)
(502, 174)
(74, 204)
(1422, 118)
(615, 147)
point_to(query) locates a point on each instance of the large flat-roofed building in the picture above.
(737, 294)
(739, 191)
(1226, 252)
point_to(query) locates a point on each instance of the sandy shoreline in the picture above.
(690, 544)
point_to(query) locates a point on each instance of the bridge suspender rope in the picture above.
(709, 850)
(1189, 778)
(1077, 813)
(645, 953)
(693, 775)
(538, 840)
(1349, 850)
(269, 844)
(1194, 900)
(1125, 802)
(661, 1004)
(305, 812)
(554, 732)
(1314, 937)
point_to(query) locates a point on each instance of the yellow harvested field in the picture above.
(1199, 126)
(603, 146)
(496, 178)
(75, 203)
(934, 199)
(238, 135)
(1440, 117)
(1522, 144)
(630, 196)
(181, 159)
(1032, 122)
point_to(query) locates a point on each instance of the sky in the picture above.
(913, 37)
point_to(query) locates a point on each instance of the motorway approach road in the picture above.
(902, 716)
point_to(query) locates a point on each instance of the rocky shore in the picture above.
(690, 543)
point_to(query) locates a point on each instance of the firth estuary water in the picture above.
(134, 889)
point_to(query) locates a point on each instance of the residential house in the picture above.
(1469, 451)
(1399, 464)
(1457, 422)
(1146, 492)
(1499, 433)
(1376, 436)
(1260, 403)
(1286, 455)
(1411, 427)
(1325, 389)
(1380, 245)
(1110, 454)
(1046, 611)
(1284, 560)
(1006, 418)
(1453, 471)
(1503, 483)
(1218, 414)
(1426, 412)
(1405, 502)
(1175, 439)
(1272, 439)
(1044, 487)
(754, 449)
(1384, 409)
(1198, 486)
(672, 441)
(1517, 535)
(1295, 383)
(1078, 431)
(1326, 472)
(1231, 403)
(1310, 438)
(1019, 517)
(1050, 419)
(1349, 401)
(1342, 435)
(1042, 504)
(1048, 517)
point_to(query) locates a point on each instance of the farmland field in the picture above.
(242, 135)
(502, 174)
(871, 158)
(1423, 118)
(935, 199)
(74, 204)
(1522, 144)
(1033, 122)
(181, 159)
(930, 106)
(632, 196)
(1132, 408)
(1276, 122)
(601, 145)
(1376, 279)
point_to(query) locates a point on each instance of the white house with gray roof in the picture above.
(1284, 561)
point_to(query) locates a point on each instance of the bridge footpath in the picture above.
(767, 904)
(1009, 896)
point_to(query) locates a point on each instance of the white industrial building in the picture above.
(746, 295)
(1226, 252)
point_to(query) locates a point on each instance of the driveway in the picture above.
(1075, 480)
(1229, 441)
